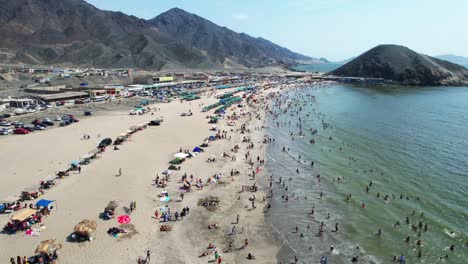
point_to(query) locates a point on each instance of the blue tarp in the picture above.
(43, 203)
(197, 149)
(212, 137)
(2, 207)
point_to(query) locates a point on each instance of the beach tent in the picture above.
(23, 215)
(197, 149)
(75, 162)
(181, 155)
(44, 203)
(212, 137)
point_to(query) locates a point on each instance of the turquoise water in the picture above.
(322, 67)
(415, 142)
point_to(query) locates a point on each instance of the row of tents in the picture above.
(227, 104)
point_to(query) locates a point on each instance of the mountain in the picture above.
(463, 61)
(221, 44)
(404, 66)
(73, 32)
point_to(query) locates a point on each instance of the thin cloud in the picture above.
(240, 16)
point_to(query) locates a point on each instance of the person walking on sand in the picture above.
(246, 243)
(148, 256)
(79, 169)
(237, 221)
(120, 172)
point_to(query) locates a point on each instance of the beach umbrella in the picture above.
(165, 199)
(123, 219)
(180, 155)
(86, 226)
(167, 172)
(48, 246)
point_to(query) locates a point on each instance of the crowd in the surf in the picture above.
(291, 106)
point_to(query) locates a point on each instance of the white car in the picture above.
(5, 131)
(5, 124)
(17, 123)
(58, 118)
(39, 127)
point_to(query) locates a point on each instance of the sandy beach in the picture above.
(27, 160)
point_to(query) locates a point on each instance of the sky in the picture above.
(333, 29)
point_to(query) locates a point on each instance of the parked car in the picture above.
(5, 115)
(65, 123)
(154, 123)
(30, 128)
(17, 124)
(58, 118)
(59, 103)
(39, 127)
(21, 131)
(48, 122)
(38, 122)
(105, 142)
(5, 131)
(5, 124)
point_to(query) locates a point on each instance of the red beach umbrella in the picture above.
(123, 219)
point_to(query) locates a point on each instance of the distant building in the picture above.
(22, 102)
(146, 80)
(61, 96)
(164, 79)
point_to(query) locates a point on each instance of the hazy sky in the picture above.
(334, 29)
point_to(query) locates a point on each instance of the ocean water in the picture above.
(322, 67)
(411, 142)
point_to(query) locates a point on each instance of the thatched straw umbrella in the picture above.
(86, 227)
(48, 246)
